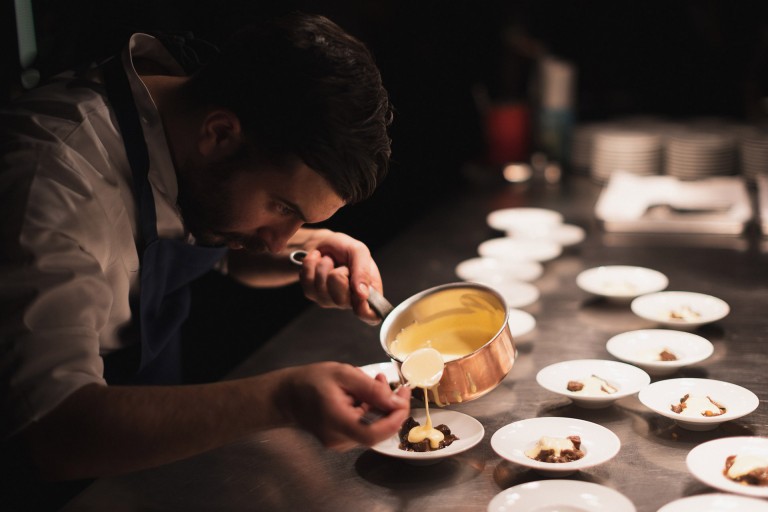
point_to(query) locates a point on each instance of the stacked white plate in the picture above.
(582, 141)
(753, 149)
(700, 154)
(633, 151)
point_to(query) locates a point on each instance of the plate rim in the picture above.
(573, 487)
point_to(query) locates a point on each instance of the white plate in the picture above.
(560, 495)
(715, 502)
(658, 306)
(643, 346)
(598, 443)
(520, 322)
(468, 430)
(621, 282)
(626, 378)
(495, 269)
(661, 395)
(513, 249)
(524, 219)
(388, 369)
(565, 235)
(516, 294)
(707, 461)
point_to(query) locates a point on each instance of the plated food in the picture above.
(723, 400)
(621, 282)
(468, 431)
(593, 383)
(415, 437)
(681, 310)
(547, 446)
(716, 502)
(727, 463)
(659, 352)
(560, 495)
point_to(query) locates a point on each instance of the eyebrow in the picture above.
(295, 207)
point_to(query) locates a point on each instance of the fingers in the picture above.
(342, 281)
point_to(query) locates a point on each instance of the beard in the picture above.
(204, 200)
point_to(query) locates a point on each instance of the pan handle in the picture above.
(376, 300)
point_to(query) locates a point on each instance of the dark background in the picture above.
(677, 59)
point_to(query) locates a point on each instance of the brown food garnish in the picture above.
(565, 455)
(666, 355)
(575, 385)
(679, 408)
(758, 476)
(423, 446)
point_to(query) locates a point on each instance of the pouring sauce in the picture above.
(423, 368)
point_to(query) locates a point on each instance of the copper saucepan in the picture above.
(472, 374)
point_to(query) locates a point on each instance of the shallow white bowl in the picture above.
(524, 219)
(707, 461)
(661, 395)
(388, 369)
(565, 235)
(516, 294)
(626, 378)
(514, 249)
(716, 502)
(598, 443)
(468, 430)
(495, 269)
(520, 322)
(560, 495)
(658, 306)
(642, 347)
(621, 282)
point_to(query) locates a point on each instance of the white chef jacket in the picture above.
(68, 260)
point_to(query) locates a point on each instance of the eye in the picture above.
(284, 210)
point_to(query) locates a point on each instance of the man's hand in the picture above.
(328, 399)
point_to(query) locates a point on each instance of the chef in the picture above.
(122, 183)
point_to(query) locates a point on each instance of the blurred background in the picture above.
(450, 67)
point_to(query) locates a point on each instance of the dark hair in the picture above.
(302, 87)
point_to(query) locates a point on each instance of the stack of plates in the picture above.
(632, 151)
(581, 145)
(754, 154)
(695, 155)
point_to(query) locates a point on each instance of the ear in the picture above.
(220, 134)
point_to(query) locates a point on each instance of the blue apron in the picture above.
(167, 266)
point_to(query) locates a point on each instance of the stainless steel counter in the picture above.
(286, 469)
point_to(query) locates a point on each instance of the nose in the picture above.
(276, 237)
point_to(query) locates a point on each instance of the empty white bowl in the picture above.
(627, 380)
(660, 396)
(643, 348)
(598, 443)
(524, 219)
(621, 282)
(514, 249)
(496, 269)
(560, 495)
(696, 309)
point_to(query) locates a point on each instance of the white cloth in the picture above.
(69, 259)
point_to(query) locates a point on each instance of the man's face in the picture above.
(258, 210)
